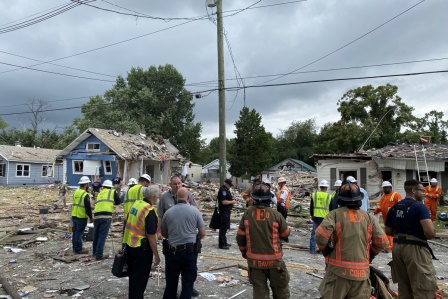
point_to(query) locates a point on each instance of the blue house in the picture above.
(100, 153)
(28, 166)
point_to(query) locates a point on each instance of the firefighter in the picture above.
(319, 208)
(258, 238)
(349, 238)
(432, 192)
(387, 201)
(408, 221)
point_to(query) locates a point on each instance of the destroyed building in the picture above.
(107, 153)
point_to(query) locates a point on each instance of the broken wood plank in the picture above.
(315, 275)
(9, 289)
(243, 267)
(216, 268)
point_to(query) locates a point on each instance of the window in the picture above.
(93, 147)
(2, 170)
(23, 170)
(78, 166)
(107, 167)
(47, 170)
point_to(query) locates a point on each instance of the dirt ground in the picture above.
(47, 269)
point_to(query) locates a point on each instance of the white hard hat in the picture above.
(386, 184)
(84, 180)
(267, 182)
(434, 180)
(338, 183)
(324, 183)
(146, 177)
(132, 181)
(108, 183)
(281, 180)
(351, 179)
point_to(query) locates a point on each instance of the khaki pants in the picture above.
(61, 200)
(335, 287)
(278, 281)
(413, 270)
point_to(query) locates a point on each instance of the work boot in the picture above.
(83, 251)
(103, 257)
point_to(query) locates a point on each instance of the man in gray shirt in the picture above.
(168, 200)
(181, 225)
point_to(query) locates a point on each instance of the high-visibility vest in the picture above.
(134, 193)
(105, 201)
(333, 194)
(135, 229)
(288, 199)
(78, 208)
(321, 204)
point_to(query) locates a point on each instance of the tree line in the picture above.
(156, 102)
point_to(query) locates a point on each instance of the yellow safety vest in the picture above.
(78, 209)
(133, 194)
(105, 201)
(135, 229)
(288, 199)
(321, 203)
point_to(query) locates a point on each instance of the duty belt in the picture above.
(178, 248)
(403, 240)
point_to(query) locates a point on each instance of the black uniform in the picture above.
(224, 213)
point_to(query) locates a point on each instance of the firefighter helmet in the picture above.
(350, 193)
(261, 194)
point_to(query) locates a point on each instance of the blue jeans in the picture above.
(316, 222)
(100, 231)
(79, 225)
(185, 263)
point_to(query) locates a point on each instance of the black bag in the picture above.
(215, 222)
(120, 266)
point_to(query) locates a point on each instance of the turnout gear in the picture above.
(261, 193)
(350, 192)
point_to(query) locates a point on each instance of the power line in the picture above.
(234, 88)
(346, 45)
(58, 6)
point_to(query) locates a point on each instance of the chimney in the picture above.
(18, 144)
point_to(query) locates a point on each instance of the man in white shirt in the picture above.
(365, 201)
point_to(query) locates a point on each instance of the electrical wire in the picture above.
(234, 88)
(347, 44)
(58, 6)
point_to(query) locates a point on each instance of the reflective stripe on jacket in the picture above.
(105, 201)
(78, 208)
(354, 234)
(288, 199)
(321, 204)
(135, 229)
(133, 194)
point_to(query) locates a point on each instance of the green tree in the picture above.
(339, 138)
(298, 141)
(432, 124)
(154, 101)
(252, 149)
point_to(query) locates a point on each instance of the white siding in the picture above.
(437, 166)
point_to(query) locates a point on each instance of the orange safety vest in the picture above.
(135, 224)
(387, 201)
(432, 191)
(288, 199)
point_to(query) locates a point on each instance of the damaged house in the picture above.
(107, 153)
(286, 165)
(395, 163)
(23, 166)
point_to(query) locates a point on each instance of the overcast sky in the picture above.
(264, 39)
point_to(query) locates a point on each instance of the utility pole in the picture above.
(222, 96)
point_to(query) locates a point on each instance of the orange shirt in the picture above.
(386, 202)
(432, 193)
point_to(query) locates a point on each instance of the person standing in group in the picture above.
(319, 208)
(118, 182)
(135, 193)
(334, 196)
(96, 188)
(225, 205)
(132, 182)
(432, 193)
(183, 226)
(387, 201)
(104, 208)
(365, 205)
(81, 210)
(409, 222)
(283, 197)
(273, 196)
(63, 189)
(258, 238)
(349, 238)
(141, 243)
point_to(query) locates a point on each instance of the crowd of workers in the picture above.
(344, 231)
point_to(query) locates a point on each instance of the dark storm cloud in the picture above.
(272, 40)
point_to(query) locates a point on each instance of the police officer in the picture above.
(182, 225)
(81, 210)
(225, 205)
(140, 239)
(319, 208)
(356, 237)
(409, 222)
(262, 227)
(104, 207)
